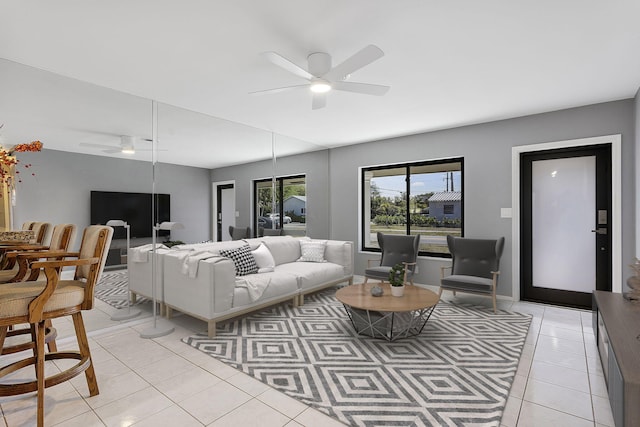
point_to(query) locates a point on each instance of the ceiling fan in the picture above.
(128, 145)
(323, 78)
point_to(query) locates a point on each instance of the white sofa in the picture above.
(198, 281)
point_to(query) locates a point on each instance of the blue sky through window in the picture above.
(392, 186)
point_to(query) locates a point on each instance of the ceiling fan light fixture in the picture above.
(320, 86)
(128, 150)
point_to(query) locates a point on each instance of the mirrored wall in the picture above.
(99, 153)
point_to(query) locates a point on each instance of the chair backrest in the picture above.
(62, 236)
(28, 225)
(40, 232)
(475, 257)
(397, 248)
(271, 232)
(96, 240)
(238, 233)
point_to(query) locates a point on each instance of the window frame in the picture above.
(280, 192)
(407, 168)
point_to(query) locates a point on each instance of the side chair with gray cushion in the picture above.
(239, 233)
(475, 267)
(396, 249)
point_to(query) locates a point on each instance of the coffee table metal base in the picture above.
(388, 325)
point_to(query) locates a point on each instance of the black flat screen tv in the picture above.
(134, 208)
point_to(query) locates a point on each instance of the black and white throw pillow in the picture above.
(243, 259)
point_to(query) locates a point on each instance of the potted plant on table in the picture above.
(396, 280)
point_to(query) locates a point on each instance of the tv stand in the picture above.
(616, 324)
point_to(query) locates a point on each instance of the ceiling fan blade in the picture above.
(104, 146)
(276, 90)
(364, 57)
(365, 88)
(283, 62)
(319, 100)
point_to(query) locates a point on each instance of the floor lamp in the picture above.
(158, 330)
(121, 314)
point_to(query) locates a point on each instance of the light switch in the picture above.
(505, 212)
(237, 214)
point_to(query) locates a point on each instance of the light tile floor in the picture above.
(163, 382)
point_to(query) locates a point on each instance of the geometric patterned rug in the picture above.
(457, 372)
(112, 289)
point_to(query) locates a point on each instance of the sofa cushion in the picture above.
(312, 274)
(243, 259)
(264, 259)
(312, 251)
(467, 283)
(279, 284)
(284, 249)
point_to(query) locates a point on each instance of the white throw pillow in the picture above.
(264, 259)
(312, 251)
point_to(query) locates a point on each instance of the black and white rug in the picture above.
(112, 289)
(457, 372)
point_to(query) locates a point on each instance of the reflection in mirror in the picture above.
(83, 128)
(241, 154)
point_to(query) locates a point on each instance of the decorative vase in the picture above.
(397, 291)
(376, 291)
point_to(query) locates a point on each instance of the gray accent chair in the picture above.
(396, 249)
(239, 233)
(475, 267)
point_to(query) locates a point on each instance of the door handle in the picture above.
(600, 230)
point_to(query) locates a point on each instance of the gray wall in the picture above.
(486, 149)
(314, 165)
(60, 190)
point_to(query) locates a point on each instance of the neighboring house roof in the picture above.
(301, 198)
(446, 196)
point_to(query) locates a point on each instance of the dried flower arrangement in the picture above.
(7, 159)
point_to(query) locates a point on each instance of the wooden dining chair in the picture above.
(36, 302)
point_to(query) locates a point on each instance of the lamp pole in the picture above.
(130, 314)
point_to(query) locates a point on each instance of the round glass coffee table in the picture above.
(386, 316)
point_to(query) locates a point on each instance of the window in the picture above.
(290, 198)
(424, 198)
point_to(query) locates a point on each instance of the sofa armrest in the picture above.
(340, 252)
(443, 268)
(210, 291)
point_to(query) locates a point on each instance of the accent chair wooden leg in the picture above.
(454, 293)
(211, 328)
(133, 297)
(83, 344)
(440, 293)
(296, 301)
(495, 311)
(365, 280)
(301, 300)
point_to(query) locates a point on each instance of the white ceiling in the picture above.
(448, 64)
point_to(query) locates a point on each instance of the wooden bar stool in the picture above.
(36, 302)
